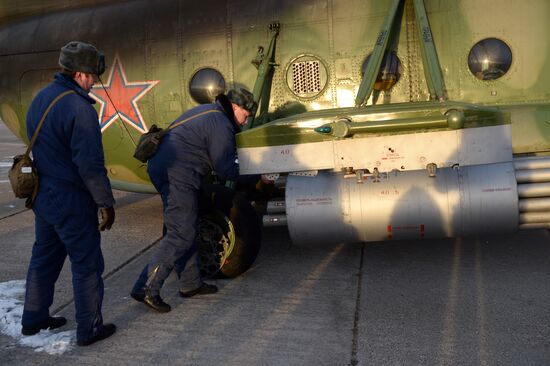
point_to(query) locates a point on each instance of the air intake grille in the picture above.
(306, 77)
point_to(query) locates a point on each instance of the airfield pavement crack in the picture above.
(355, 340)
(14, 213)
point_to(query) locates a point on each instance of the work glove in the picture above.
(107, 218)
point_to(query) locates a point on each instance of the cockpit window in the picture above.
(390, 71)
(206, 84)
(489, 59)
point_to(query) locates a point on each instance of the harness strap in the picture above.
(192, 117)
(35, 135)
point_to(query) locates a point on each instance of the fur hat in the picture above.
(83, 57)
(243, 98)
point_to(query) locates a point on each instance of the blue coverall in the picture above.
(186, 154)
(68, 155)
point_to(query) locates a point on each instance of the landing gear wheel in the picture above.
(216, 241)
(229, 243)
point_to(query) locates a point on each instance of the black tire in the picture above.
(229, 234)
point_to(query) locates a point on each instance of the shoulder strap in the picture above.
(195, 116)
(35, 135)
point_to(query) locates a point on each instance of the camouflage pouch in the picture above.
(148, 144)
(24, 178)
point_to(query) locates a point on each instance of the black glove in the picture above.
(107, 218)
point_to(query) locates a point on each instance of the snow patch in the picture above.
(12, 294)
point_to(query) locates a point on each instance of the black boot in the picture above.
(156, 303)
(107, 331)
(152, 298)
(50, 323)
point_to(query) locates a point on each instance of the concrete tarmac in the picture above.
(475, 301)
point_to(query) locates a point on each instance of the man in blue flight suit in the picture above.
(68, 155)
(204, 143)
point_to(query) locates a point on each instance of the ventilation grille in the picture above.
(306, 77)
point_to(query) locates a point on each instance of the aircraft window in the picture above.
(390, 71)
(306, 76)
(205, 85)
(489, 59)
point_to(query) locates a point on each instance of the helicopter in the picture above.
(377, 120)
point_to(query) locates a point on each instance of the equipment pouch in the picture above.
(24, 178)
(148, 144)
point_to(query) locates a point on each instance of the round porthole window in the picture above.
(205, 85)
(306, 76)
(489, 59)
(389, 73)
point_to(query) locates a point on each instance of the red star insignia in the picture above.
(124, 95)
